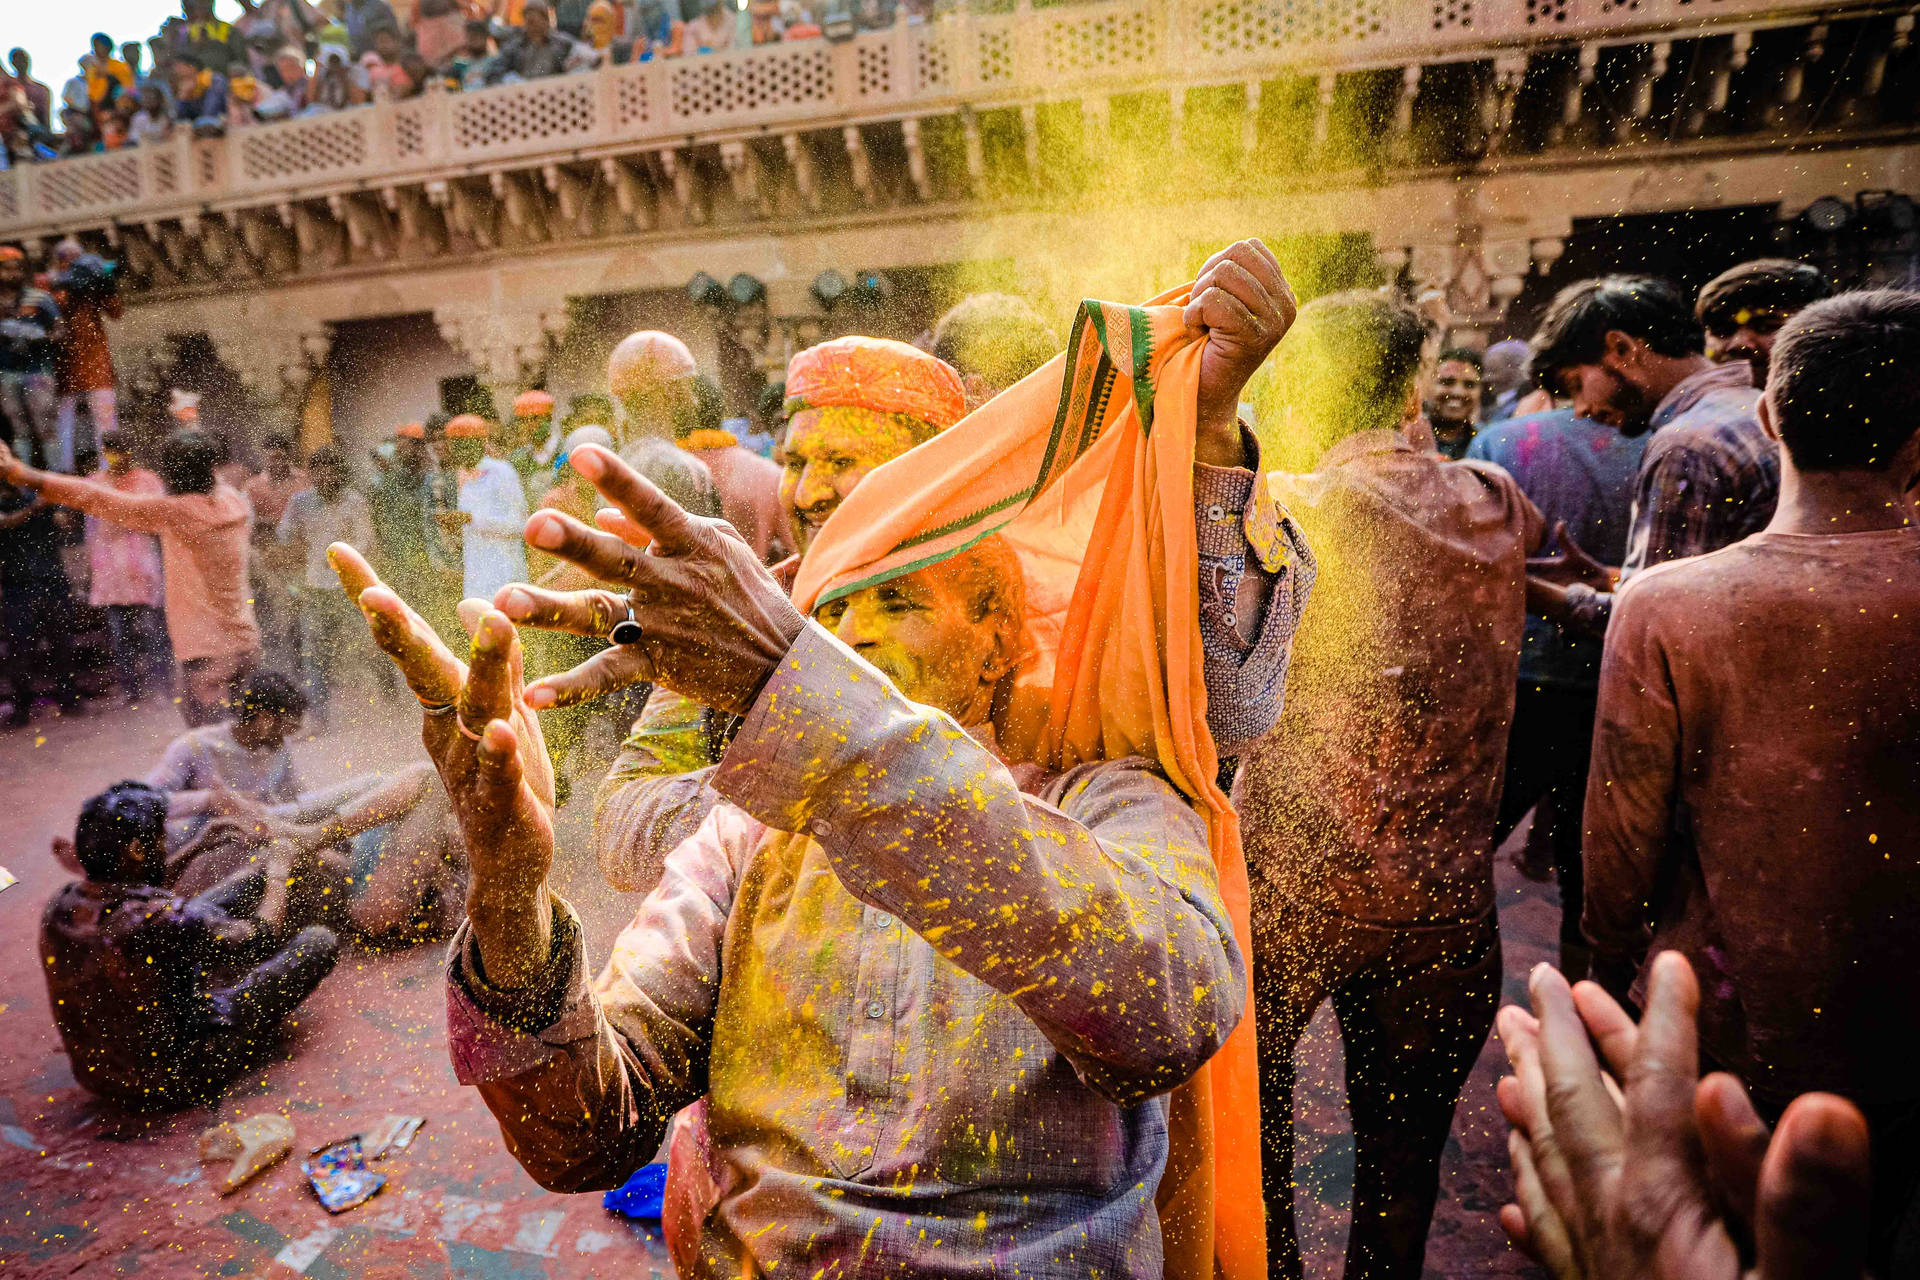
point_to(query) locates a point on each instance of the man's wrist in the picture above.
(513, 935)
(1218, 442)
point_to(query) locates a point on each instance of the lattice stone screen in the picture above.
(716, 86)
(301, 148)
(88, 182)
(524, 117)
(633, 105)
(996, 55)
(9, 195)
(1235, 29)
(932, 63)
(1077, 44)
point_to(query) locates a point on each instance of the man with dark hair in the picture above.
(1628, 352)
(142, 980)
(125, 575)
(39, 97)
(1453, 400)
(315, 519)
(1368, 811)
(993, 340)
(202, 526)
(383, 839)
(537, 49)
(1580, 474)
(1755, 798)
(1743, 307)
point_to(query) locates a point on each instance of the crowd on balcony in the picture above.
(287, 58)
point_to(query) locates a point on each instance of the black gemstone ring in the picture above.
(627, 630)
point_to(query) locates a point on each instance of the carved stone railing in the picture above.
(1031, 54)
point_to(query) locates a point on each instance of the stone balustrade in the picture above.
(903, 73)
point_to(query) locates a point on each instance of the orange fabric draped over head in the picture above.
(1085, 467)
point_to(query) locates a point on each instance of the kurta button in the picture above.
(875, 1009)
(883, 921)
(821, 827)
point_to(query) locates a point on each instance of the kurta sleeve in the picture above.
(584, 1076)
(1101, 918)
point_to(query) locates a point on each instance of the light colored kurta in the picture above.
(933, 1031)
(494, 550)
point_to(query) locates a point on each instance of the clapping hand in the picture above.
(1669, 1177)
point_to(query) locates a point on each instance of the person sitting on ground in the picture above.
(748, 484)
(202, 524)
(162, 999)
(1743, 308)
(993, 340)
(400, 861)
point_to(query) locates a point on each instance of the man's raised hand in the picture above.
(1243, 303)
(713, 621)
(491, 758)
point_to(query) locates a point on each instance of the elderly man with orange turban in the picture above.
(941, 968)
(856, 403)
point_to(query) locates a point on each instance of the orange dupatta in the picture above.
(1085, 467)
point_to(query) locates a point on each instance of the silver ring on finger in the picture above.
(627, 630)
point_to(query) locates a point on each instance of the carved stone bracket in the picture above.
(505, 346)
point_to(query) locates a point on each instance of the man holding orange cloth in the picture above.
(955, 961)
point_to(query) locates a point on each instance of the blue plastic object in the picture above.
(642, 1194)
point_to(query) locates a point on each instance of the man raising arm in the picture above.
(923, 1005)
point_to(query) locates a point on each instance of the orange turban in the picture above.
(532, 404)
(645, 361)
(412, 431)
(468, 426)
(878, 374)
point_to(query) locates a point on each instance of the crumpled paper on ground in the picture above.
(252, 1144)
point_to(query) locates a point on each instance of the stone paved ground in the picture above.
(88, 1191)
